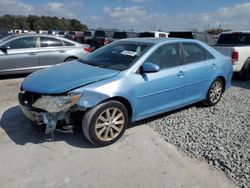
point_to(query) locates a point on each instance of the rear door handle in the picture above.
(180, 74)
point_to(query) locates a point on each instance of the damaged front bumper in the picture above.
(41, 117)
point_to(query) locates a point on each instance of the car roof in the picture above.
(154, 40)
(41, 35)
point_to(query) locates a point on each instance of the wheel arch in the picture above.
(70, 57)
(126, 103)
(223, 81)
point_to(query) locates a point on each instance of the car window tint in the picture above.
(87, 34)
(166, 56)
(66, 43)
(162, 35)
(26, 42)
(193, 53)
(49, 42)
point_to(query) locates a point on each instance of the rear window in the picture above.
(163, 35)
(234, 38)
(185, 35)
(119, 35)
(87, 34)
(49, 42)
(100, 34)
(72, 33)
(146, 34)
(66, 43)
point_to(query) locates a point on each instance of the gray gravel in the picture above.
(219, 134)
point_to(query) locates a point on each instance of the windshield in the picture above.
(117, 56)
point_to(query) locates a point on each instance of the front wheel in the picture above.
(105, 123)
(214, 93)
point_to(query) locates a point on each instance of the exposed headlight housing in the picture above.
(54, 104)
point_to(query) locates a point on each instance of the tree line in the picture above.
(36, 23)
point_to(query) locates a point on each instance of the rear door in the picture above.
(51, 51)
(21, 54)
(199, 67)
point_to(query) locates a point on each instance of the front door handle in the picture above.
(62, 51)
(32, 53)
(214, 66)
(180, 74)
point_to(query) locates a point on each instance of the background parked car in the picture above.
(237, 46)
(156, 34)
(87, 37)
(201, 36)
(27, 53)
(75, 36)
(99, 39)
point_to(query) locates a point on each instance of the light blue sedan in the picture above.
(124, 82)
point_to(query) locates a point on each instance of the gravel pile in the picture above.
(219, 134)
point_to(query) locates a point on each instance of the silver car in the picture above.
(28, 53)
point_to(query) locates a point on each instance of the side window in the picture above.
(26, 42)
(193, 53)
(50, 42)
(166, 56)
(66, 43)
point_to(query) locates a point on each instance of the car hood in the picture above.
(65, 77)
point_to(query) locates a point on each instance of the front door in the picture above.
(20, 54)
(161, 91)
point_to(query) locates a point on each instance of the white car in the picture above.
(237, 46)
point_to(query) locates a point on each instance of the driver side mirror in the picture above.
(149, 68)
(4, 49)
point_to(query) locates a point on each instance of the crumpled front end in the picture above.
(48, 110)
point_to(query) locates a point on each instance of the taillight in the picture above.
(105, 42)
(235, 57)
(88, 49)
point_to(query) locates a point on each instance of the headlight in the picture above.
(53, 104)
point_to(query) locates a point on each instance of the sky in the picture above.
(140, 15)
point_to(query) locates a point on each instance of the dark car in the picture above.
(201, 36)
(99, 39)
(117, 35)
(75, 36)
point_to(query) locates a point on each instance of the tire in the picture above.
(105, 124)
(214, 93)
(70, 59)
(244, 73)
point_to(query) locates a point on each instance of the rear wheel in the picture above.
(105, 123)
(244, 73)
(214, 93)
